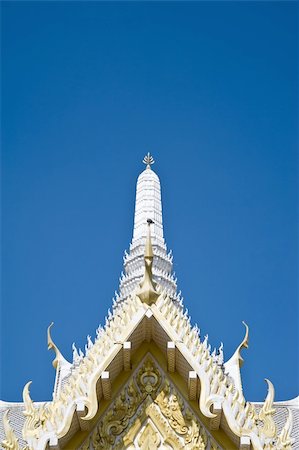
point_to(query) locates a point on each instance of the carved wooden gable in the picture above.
(149, 413)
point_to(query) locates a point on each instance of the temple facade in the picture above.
(149, 380)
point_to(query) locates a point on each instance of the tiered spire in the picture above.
(148, 206)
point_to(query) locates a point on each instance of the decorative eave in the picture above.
(136, 322)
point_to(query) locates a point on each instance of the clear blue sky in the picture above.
(211, 90)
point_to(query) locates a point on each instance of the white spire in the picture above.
(148, 206)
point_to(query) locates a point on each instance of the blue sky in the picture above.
(211, 90)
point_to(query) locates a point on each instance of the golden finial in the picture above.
(148, 160)
(147, 291)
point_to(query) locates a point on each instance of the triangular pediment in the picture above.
(133, 330)
(148, 412)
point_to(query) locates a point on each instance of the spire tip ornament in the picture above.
(148, 160)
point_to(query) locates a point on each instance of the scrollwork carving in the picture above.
(149, 395)
(181, 419)
(117, 418)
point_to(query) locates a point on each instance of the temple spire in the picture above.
(148, 205)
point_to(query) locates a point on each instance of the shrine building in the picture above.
(149, 380)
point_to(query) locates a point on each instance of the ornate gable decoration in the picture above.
(164, 323)
(149, 412)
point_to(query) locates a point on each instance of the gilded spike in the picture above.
(148, 160)
(147, 291)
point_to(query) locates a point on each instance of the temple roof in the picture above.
(149, 317)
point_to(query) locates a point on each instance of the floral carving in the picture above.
(147, 395)
(181, 419)
(148, 378)
(117, 418)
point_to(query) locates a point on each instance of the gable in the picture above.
(150, 410)
(133, 330)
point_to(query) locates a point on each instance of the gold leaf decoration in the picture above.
(148, 396)
(181, 419)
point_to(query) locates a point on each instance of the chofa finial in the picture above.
(244, 344)
(148, 160)
(147, 289)
(52, 346)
